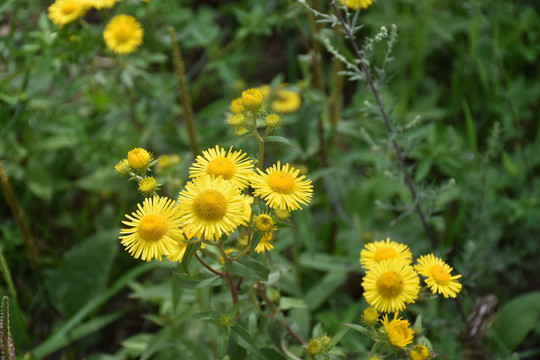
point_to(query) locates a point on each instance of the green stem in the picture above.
(208, 266)
(7, 275)
(260, 140)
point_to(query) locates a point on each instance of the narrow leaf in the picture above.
(244, 339)
(191, 249)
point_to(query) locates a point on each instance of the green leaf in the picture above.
(280, 139)
(199, 280)
(244, 339)
(191, 249)
(517, 317)
(287, 303)
(359, 328)
(224, 333)
(248, 268)
(325, 288)
(336, 338)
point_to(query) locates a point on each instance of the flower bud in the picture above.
(139, 159)
(123, 168)
(252, 99)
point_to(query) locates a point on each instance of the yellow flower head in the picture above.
(252, 99)
(438, 273)
(246, 214)
(211, 207)
(282, 214)
(314, 347)
(389, 284)
(398, 331)
(378, 251)
(123, 168)
(264, 245)
(100, 4)
(419, 352)
(265, 223)
(123, 34)
(236, 105)
(166, 161)
(234, 166)
(281, 187)
(287, 101)
(236, 120)
(139, 159)
(178, 251)
(370, 316)
(357, 4)
(272, 120)
(153, 229)
(148, 186)
(62, 12)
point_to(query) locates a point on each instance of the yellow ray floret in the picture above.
(438, 276)
(377, 251)
(100, 4)
(211, 207)
(265, 244)
(233, 166)
(281, 187)
(62, 12)
(390, 284)
(153, 229)
(123, 34)
(357, 4)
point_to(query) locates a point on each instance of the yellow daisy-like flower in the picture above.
(357, 4)
(287, 101)
(264, 245)
(62, 12)
(398, 331)
(233, 166)
(370, 316)
(178, 251)
(389, 284)
(265, 223)
(281, 187)
(236, 105)
(100, 4)
(154, 228)
(378, 251)
(211, 207)
(246, 214)
(252, 99)
(123, 34)
(438, 273)
(419, 352)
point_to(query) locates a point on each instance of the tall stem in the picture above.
(185, 98)
(389, 127)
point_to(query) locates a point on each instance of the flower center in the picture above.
(68, 7)
(384, 253)
(281, 182)
(210, 205)
(221, 166)
(152, 227)
(390, 284)
(440, 275)
(122, 32)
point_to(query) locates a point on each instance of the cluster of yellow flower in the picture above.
(122, 35)
(212, 204)
(391, 282)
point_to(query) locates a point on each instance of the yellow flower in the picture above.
(139, 159)
(264, 245)
(377, 251)
(389, 284)
(282, 214)
(287, 101)
(166, 161)
(62, 12)
(439, 278)
(272, 120)
(123, 34)
(227, 252)
(233, 166)
(252, 99)
(237, 120)
(246, 214)
(177, 253)
(123, 168)
(236, 105)
(211, 207)
(314, 347)
(154, 228)
(370, 316)
(100, 4)
(266, 91)
(357, 4)
(239, 131)
(281, 187)
(398, 331)
(148, 186)
(419, 352)
(264, 223)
